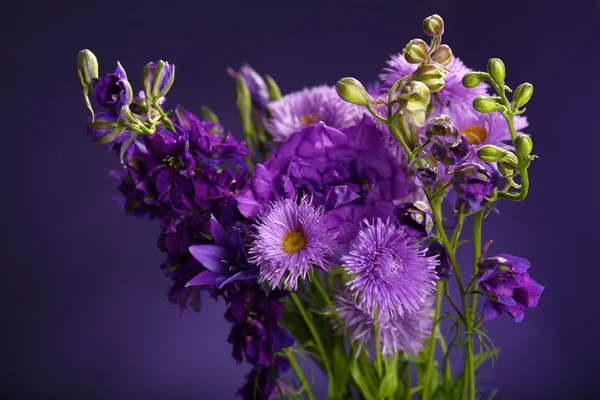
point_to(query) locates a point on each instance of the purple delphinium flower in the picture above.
(255, 334)
(454, 152)
(473, 182)
(298, 110)
(113, 91)
(453, 90)
(390, 273)
(225, 260)
(414, 218)
(399, 334)
(444, 267)
(256, 85)
(290, 238)
(103, 128)
(263, 383)
(508, 287)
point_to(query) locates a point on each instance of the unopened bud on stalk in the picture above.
(442, 54)
(441, 127)
(473, 79)
(487, 104)
(157, 79)
(416, 51)
(496, 70)
(208, 114)
(522, 95)
(86, 68)
(430, 75)
(433, 25)
(490, 153)
(352, 91)
(523, 145)
(272, 88)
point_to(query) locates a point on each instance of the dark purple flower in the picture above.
(104, 128)
(444, 267)
(132, 200)
(414, 218)
(263, 383)
(452, 152)
(423, 171)
(113, 91)
(473, 182)
(509, 288)
(256, 334)
(225, 260)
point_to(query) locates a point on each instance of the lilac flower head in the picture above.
(509, 288)
(473, 182)
(113, 91)
(391, 274)
(298, 110)
(289, 239)
(453, 90)
(414, 218)
(225, 260)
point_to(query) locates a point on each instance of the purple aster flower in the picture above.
(255, 334)
(391, 274)
(113, 91)
(289, 239)
(264, 384)
(473, 182)
(509, 288)
(399, 334)
(298, 110)
(414, 218)
(453, 90)
(444, 267)
(225, 260)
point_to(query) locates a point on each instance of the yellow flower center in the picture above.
(310, 119)
(173, 163)
(475, 133)
(293, 241)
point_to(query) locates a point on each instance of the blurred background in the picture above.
(84, 312)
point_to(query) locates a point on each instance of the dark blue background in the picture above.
(84, 311)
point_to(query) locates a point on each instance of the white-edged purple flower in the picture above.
(391, 273)
(309, 106)
(399, 334)
(290, 237)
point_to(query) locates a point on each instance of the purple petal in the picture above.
(490, 312)
(219, 235)
(211, 256)
(204, 278)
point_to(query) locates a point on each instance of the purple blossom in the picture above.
(473, 182)
(414, 219)
(508, 287)
(444, 267)
(290, 238)
(390, 273)
(255, 334)
(263, 383)
(454, 152)
(298, 110)
(113, 91)
(225, 260)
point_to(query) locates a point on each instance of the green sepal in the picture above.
(208, 114)
(109, 137)
(272, 88)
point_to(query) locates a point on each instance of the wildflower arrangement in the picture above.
(323, 232)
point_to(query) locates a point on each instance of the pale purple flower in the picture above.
(390, 272)
(290, 237)
(309, 106)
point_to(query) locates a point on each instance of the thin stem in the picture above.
(416, 151)
(441, 190)
(452, 303)
(374, 113)
(457, 231)
(299, 374)
(432, 341)
(477, 224)
(378, 364)
(408, 382)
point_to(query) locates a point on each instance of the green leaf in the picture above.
(358, 378)
(389, 383)
(341, 373)
(208, 114)
(482, 357)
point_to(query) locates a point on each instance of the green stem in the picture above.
(477, 224)
(378, 364)
(314, 334)
(374, 113)
(432, 341)
(457, 231)
(408, 382)
(416, 151)
(299, 374)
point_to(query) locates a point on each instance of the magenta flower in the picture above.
(289, 239)
(390, 273)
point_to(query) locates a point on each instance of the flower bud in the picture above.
(496, 70)
(442, 54)
(522, 95)
(113, 91)
(86, 67)
(243, 100)
(490, 153)
(430, 75)
(487, 104)
(208, 114)
(523, 145)
(452, 153)
(473, 79)
(352, 91)
(441, 127)
(423, 171)
(416, 51)
(272, 88)
(157, 79)
(433, 25)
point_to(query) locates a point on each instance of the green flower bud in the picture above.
(487, 104)
(430, 75)
(523, 145)
(86, 68)
(496, 70)
(522, 95)
(491, 153)
(352, 91)
(272, 88)
(416, 51)
(433, 25)
(243, 100)
(157, 79)
(208, 114)
(442, 54)
(473, 79)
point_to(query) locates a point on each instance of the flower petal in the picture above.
(211, 256)
(204, 278)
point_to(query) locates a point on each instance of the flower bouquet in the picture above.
(324, 231)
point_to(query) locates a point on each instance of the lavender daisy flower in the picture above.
(289, 239)
(392, 275)
(399, 334)
(298, 110)
(453, 90)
